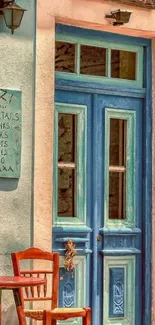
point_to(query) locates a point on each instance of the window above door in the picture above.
(98, 61)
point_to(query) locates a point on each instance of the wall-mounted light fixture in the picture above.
(121, 17)
(12, 14)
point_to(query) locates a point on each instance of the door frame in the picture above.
(147, 139)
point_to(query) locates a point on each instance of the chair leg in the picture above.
(47, 317)
(87, 318)
(19, 306)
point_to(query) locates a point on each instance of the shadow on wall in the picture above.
(9, 316)
(8, 184)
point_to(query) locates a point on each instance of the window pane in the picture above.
(123, 64)
(116, 195)
(93, 60)
(66, 185)
(66, 137)
(117, 142)
(65, 57)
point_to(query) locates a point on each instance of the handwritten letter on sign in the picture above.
(10, 133)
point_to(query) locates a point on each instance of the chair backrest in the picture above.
(41, 292)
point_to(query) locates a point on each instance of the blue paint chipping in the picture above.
(116, 292)
(74, 31)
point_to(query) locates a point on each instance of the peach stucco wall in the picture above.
(87, 14)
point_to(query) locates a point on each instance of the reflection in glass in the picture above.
(116, 195)
(66, 137)
(117, 142)
(66, 185)
(65, 57)
(123, 64)
(93, 60)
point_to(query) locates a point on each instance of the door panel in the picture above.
(110, 248)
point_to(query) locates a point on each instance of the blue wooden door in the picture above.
(104, 218)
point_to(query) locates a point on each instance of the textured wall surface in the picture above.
(17, 72)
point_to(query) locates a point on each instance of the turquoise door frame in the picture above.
(118, 251)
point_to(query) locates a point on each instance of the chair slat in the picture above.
(36, 272)
(38, 287)
(32, 288)
(45, 285)
(26, 291)
(38, 298)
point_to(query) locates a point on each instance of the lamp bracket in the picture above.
(5, 3)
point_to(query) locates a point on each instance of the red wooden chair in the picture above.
(41, 294)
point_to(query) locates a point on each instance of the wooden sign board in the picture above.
(10, 133)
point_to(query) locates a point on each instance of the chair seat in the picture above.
(69, 310)
(65, 313)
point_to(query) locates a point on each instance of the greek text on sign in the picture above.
(10, 133)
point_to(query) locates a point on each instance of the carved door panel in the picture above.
(97, 190)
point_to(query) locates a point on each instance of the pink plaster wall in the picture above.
(91, 14)
(87, 14)
(43, 138)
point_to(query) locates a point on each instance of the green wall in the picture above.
(17, 69)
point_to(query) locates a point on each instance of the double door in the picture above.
(98, 202)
